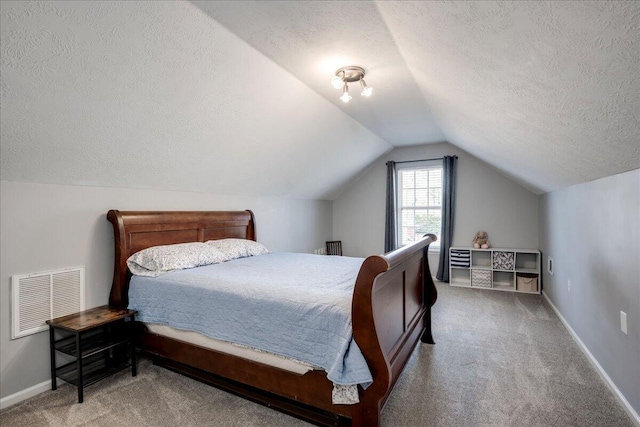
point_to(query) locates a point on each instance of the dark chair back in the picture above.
(334, 247)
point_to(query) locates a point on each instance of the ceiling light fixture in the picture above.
(347, 75)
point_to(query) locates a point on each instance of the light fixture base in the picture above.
(351, 73)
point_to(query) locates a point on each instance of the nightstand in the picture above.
(99, 339)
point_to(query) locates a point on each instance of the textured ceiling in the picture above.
(158, 95)
(233, 97)
(546, 92)
(312, 39)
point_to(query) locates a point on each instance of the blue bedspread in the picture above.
(293, 305)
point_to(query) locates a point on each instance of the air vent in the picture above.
(38, 297)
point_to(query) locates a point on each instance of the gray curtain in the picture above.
(390, 235)
(449, 166)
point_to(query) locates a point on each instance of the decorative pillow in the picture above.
(158, 260)
(238, 248)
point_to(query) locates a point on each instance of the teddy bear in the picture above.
(481, 240)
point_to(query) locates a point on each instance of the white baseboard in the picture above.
(18, 397)
(623, 401)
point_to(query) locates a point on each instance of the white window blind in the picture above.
(419, 202)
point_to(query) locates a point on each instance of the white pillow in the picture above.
(158, 260)
(238, 248)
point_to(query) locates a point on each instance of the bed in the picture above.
(390, 313)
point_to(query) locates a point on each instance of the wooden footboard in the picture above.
(391, 311)
(391, 306)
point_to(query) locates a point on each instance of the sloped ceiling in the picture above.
(312, 39)
(546, 92)
(233, 97)
(159, 95)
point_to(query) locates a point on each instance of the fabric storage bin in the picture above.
(503, 260)
(526, 282)
(481, 278)
(460, 258)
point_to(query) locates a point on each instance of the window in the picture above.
(419, 202)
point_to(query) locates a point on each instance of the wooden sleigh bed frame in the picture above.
(391, 307)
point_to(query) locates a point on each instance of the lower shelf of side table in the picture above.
(90, 345)
(94, 369)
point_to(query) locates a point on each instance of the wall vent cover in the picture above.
(38, 297)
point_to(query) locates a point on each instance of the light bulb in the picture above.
(345, 94)
(366, 90)
(337, 82)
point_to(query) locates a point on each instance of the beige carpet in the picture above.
(500, 360)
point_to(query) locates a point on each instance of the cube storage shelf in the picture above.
(501, 269)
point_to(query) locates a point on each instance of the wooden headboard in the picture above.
(135, 231)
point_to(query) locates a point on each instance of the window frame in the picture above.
(428, 165)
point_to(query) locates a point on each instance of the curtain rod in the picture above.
(423, 160)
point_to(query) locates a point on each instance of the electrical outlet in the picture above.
(623, 322)
(569, 285)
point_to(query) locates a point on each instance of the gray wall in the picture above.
(486, 200)
(592, 232)
(48, 227)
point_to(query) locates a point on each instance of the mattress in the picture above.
(195, 338)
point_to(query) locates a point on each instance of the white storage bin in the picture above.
(503, 260)
(481, 278)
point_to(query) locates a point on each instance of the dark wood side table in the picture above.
(101, 341)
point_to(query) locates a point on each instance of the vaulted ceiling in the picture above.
(234, 97)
